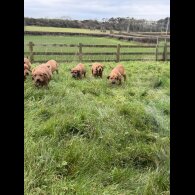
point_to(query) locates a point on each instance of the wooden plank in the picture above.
(101, 46)
(63, 53)
(91, 54)
(143, 59)
(108, 60)
(137, 53)
(160, 53)
(138, 46)
(72, 45)
(57, 45)
(54, 53)
(105, 46)
(60, 61)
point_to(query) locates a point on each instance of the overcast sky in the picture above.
(97, 9)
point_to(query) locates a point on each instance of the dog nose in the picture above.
(38, 80)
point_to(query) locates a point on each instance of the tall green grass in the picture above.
(88, 137)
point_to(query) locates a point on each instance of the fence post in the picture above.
(118, 53)
(157, 40)
(156, 52)
(165, 52)
(80, 52)
(31, 44)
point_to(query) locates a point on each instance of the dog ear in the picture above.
(45, 76)
(118, 77)
(108, 77)
(33, 70)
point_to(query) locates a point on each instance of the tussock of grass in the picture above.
(89, 137)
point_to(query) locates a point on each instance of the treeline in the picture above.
(119, 24)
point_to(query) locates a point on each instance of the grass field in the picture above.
(56, 29)
(86, 137)
(84, 40)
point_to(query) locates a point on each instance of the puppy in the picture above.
(26, 71)
(53, 65)
(97, 69)
(78, 71)
(27, 62)
(41, 75)
(44, 66)
(116, 74)
(48, 67)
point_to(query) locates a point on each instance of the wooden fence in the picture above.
(164, 54)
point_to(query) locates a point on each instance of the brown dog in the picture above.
(116, 74)
(53, 65)
(97, 69)
(44, 66)
(78, 71)
(26, 71)
(41, 75)
(27, 62)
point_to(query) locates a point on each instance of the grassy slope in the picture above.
(86, 137)
(56, 29)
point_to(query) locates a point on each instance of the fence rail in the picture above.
(117, 54)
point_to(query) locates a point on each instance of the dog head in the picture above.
(99, 70)
(113, 78)
(75, 73)
(40, 77)
(47, 68)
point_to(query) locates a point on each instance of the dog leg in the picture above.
(125, 77)
(80, 76)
